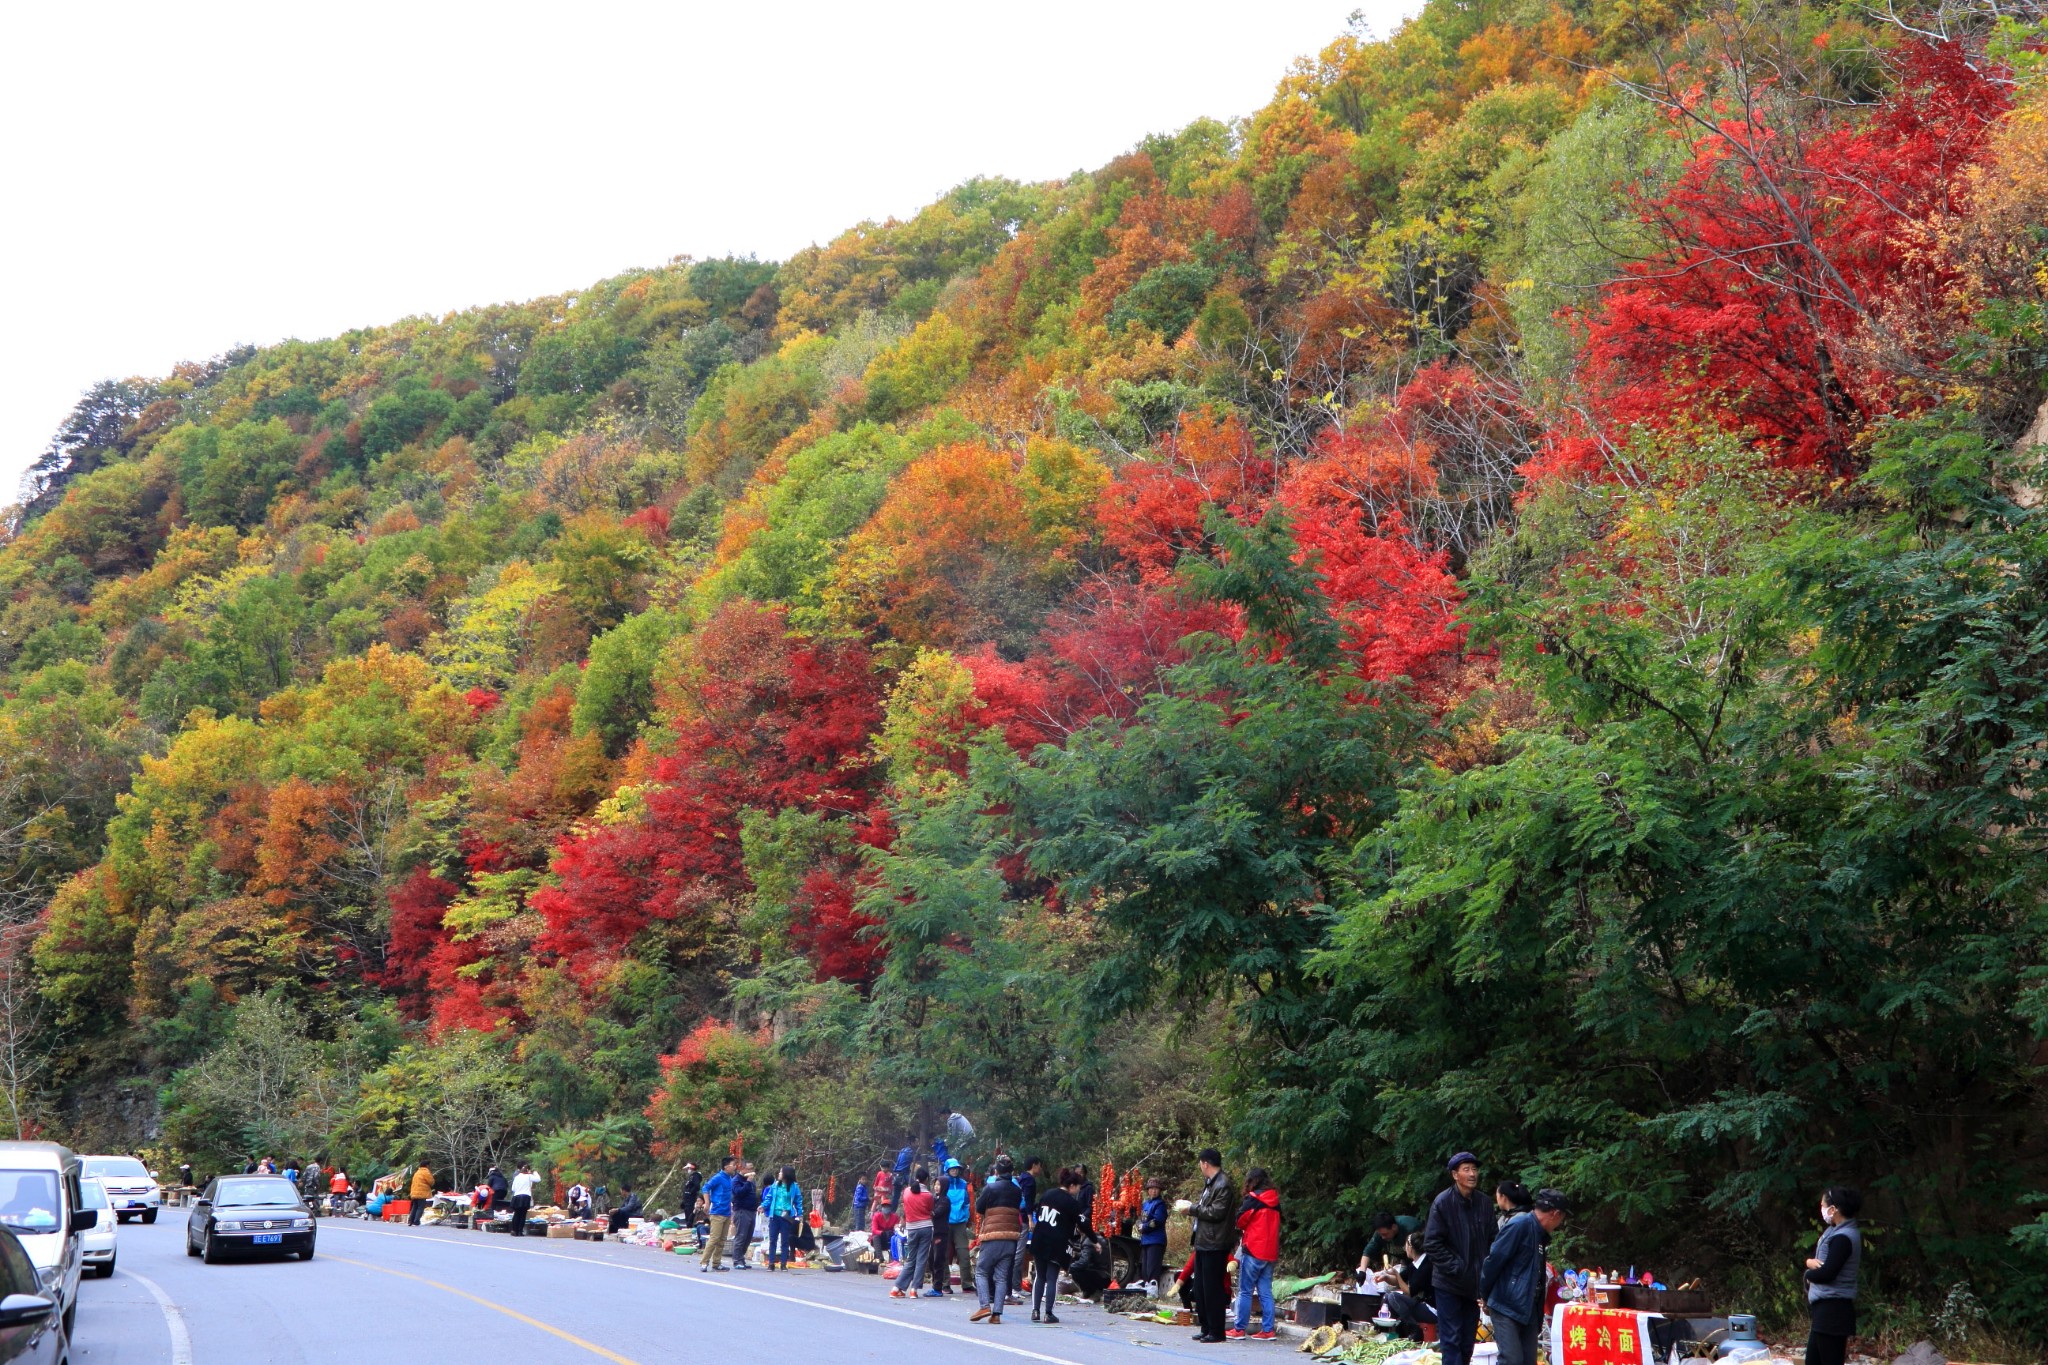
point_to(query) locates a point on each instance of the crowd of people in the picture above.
(1026, 1228)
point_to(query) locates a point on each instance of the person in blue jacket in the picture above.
(1514, 1276)
(1152, 1234)
(861, 1198)
(959, 1195)
(784, 1200)
(718, 1198)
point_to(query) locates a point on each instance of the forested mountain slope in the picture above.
(1498, 602)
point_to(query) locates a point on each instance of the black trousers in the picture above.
(942, 1254)
(520, 1204)
(1154, 1262)
(1212, 1293)
(1825, 1348)
(742, 1234)
(412, 1219)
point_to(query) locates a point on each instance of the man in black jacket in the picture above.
(686, 1202)
(1457, 1237)
(1215, 1237)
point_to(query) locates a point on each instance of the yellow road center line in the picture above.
(512, 1313)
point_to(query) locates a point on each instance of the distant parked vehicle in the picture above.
(131, 1187)
(249, 1213)
(97, 1244)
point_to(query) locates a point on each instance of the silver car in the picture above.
(97, 1244)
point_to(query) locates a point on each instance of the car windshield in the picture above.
(116, 1166)
(92, 1194)
(252, 1190)
(29, 1201)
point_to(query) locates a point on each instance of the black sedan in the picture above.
(249, 1213)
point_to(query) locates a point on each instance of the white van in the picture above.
(42, 1204)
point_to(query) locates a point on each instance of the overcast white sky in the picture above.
(181, 177)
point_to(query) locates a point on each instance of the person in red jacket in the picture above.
(1258, 1230)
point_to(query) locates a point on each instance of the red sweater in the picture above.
(1259, 1224)
(917, 1208)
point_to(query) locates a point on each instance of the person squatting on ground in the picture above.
(1410, 1293)
(1002, 1230)
(1515, 1275)
(1055, 1223)
(1215, 1235)
(1457, 1237)
(917, 1204)
(718, 1199)
(1258, 1227)
(628, 1209)
(785, 1200)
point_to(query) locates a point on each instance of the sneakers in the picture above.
(1234, 1334)
(978, 1315)
(1265, 1336)
(1052, 1319)
(1035, 1317)
(933, 1294)
(898, 1294)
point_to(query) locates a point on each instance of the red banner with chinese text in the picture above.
(1584, 1335)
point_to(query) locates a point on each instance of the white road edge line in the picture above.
(731, 1288)
(174, 1318)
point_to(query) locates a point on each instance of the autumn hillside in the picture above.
(1498, 601)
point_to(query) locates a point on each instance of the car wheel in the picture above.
(307, 1254)
(211, 1253)
(120, 1218)
(190, 1248)
(107, 1271)
(71, 1320)
(149, 1215)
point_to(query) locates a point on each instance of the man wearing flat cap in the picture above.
(1456, 1238)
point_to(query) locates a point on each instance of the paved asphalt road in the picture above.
(393, 1296)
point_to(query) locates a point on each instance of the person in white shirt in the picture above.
(522, 1197)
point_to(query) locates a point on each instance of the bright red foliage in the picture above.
(416, 909)
(766, 720)
(826, 928)
(1769, 311)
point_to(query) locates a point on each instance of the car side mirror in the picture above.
(202, 1203)
(17, 1309)
(84, 1219)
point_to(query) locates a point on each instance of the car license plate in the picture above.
(269, 1239)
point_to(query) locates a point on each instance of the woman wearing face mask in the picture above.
(1831, 1277)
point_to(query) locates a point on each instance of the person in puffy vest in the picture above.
(1831, 1278)
(1002, 1229)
